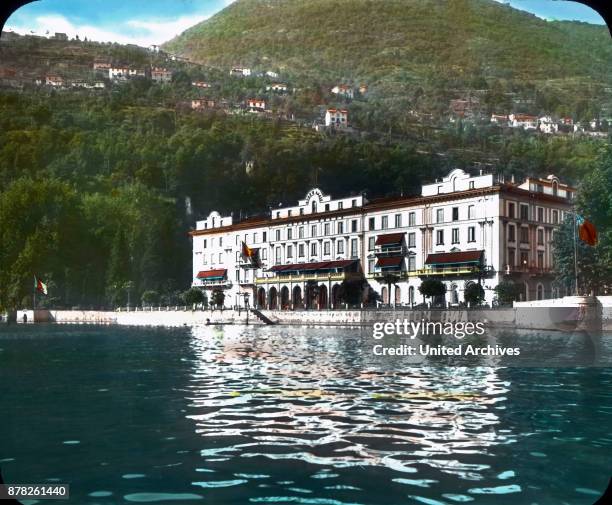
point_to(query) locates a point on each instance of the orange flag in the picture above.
(588, 233)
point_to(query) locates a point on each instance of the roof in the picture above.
(390, 239)
(342, 111)
(219, 273)
(454, 257)
(310, 267)
(389, 261)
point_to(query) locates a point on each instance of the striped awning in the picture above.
(212, 275)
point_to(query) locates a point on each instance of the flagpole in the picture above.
(34, 295)
(575, 256)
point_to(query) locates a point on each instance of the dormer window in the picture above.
(555, 187)
(314, 207)
(326, 207)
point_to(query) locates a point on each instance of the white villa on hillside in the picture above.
(336, 117)
(343, 90)
(462, 229)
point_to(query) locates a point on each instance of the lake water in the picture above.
(239, 415)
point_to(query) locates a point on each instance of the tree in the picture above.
(430, 288)
(390, 279)
(473, 294)
(193, 296)
(150, 297)
(507, 292)
(218, 297)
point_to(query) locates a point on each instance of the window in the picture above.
(326, 229)
(385, 222)
(540, 237)
(301, 232)
(289, 233)
(326, 207)
(412, 219)
(277, 256)
(278, 235)
(524, 235)
(455, 236)
(471, 212)
(340, 205)
(511, 233)
(314, 206)
(471, 185)
(439, 189)
(524, 258)
(313, 230)
(237, 256)
(411, 263)
(412, 239)
(472, 234)
(511, 257)
(205, 242)
(313, 249)
(326, 249)
(354, 226)
(440, 237)
(289, 212)
(370, 265)
(340, 227)
(511, 213)
(204, 259)
(455, 213)
(212, 242)
(301, 250)
(540, 260)
(440, 216)
(220, 241)
(301, 211)
(264, 254)
(265, 236)
(371, 241)
(220, 257)
(353, 203)
(289, 251)
(524, 212)
(237, 274)
(277, 215)
(540, 214)
(353, 248)
(555, 217)
(340, 247)
(371, 224)
(398, 220)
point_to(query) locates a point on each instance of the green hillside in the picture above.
(398, 41)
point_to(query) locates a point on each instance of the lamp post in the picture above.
(246, 306)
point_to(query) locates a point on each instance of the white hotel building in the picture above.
(461, 229)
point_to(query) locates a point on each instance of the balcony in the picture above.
(213, 284)
(318, 277)
(459, 271)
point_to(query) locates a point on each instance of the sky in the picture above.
(152, 22)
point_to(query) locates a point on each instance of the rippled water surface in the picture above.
(238, 415)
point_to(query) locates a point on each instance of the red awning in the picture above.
(310, 267)
(454, 258)
(390, 239)
(219, 273)
(389, 261)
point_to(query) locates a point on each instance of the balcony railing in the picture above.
(217, 283)
(341, 276)
(437, 272)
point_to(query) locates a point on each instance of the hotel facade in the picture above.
(326, 253)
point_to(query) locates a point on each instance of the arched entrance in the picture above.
(540, 292)
(312, 296)
(297, 298)
(273, 298)
(261, 298)
(322, 297)
(284, 298)
(454, 294)
(398, 295)
(336, 296)
(385, 295)
(411, 299)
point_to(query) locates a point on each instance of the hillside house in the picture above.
(524, 121)
(202, 104)
(240, 72)
(499, 119)
(343, 90)
(548, 125)
(201, 84)
(256, 105)
(60, 36)
(274, 75)
(337, 118)
(115, 73)
(277, 87)
(161, 75)
(101, 65)
(54, 80)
